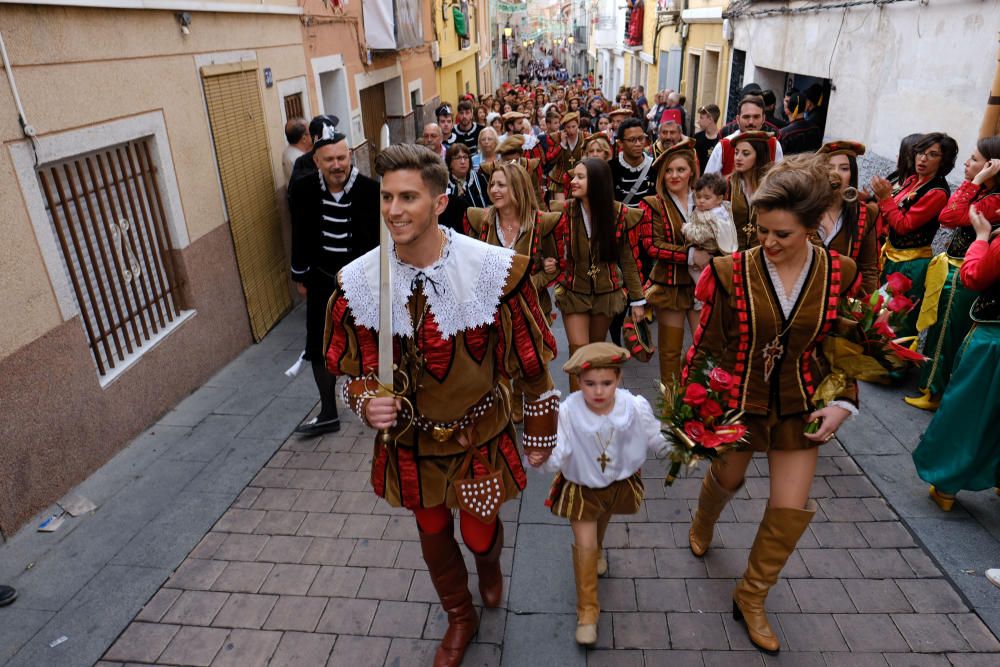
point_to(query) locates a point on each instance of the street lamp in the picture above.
(508, 32)
(570, 39)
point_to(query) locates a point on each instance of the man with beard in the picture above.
(669, 133)
(467, 131)
(333, 222)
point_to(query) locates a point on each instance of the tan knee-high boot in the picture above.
(602, 528)
(671, 340)
(777, 536)
(588, 609)
(574, 381)
(711, 501)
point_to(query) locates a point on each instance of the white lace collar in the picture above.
(463, 288)
(646, 158)
(530, 141)
(787, 301)
(619, 419)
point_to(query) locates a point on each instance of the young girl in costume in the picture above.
(604, 433)
(711, 227)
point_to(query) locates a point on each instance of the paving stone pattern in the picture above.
(308, 567)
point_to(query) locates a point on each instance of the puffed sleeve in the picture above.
(628, 254)
(868, 257)
(711, 337)
(921, 213)
(563, 450)
(526, 344)
(982, 265)
(655, 240)
(548, 224)
(652, 430)
(956, 211)
(350, 351)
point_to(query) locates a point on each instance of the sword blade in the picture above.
(385, 373)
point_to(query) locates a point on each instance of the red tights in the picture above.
(478, 536)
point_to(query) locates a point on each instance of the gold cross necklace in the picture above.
(604, 459)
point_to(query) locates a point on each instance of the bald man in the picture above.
(433, 138)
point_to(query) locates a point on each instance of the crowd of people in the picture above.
(750, 237)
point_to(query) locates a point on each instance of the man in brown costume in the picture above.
(466, 322)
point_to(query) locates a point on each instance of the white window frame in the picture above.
(61, 146)
(292, 86)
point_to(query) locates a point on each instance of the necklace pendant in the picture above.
(773, 352)
(604, 460)
(749, 229)
(594, 270)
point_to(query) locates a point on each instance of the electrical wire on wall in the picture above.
(741, 11)
(27, 129)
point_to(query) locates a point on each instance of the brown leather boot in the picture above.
(777, 536)
(711, 501)
(451, 581)
(671, 342)
(488, 569)
(588, 609)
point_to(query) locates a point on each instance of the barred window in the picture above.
(107, 212)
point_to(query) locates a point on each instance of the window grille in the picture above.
(293, 106)
(108, 215)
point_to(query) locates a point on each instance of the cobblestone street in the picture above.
(308, 567)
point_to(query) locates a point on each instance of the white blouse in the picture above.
(628, 431)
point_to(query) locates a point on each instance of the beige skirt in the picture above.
(577, 303)
(671, 297)
(582, 503)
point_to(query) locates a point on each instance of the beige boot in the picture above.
(711, 501)
(671, 342)
(588, 609)
(777, 536)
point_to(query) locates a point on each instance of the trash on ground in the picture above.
(294, 369)
(52, 523)
(75, 504)
(57, 642)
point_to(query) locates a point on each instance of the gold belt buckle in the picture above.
(442, 433)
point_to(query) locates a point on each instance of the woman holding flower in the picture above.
(960, 450)
(765, 312)
(912, 215)
(945, 311)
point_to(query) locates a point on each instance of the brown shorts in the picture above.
(577, 303)
(582, 503)
(771, 432)
(671, 297)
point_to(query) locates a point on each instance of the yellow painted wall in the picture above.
(455, 59)
(706, 39)
(80, 67)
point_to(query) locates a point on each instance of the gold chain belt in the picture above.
(444, 431)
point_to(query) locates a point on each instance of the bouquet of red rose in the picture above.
(695, 419)
(863, 345)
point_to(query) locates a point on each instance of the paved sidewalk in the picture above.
(301, 563)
